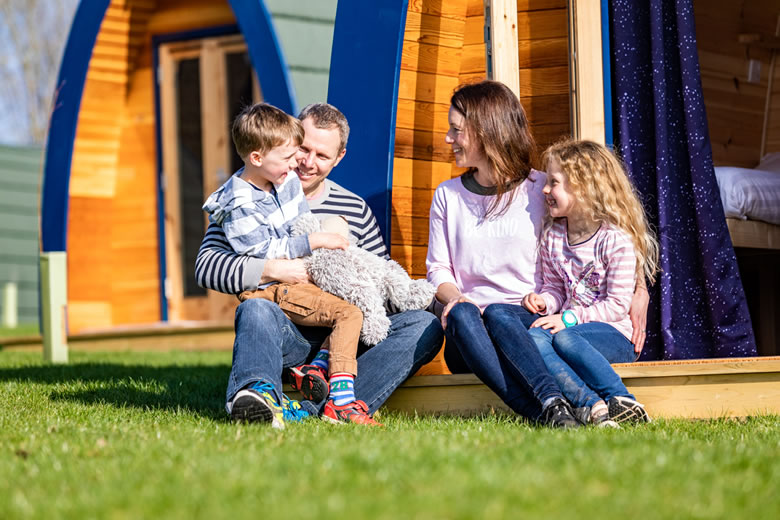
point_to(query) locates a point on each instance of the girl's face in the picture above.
(466, 150)
(560, 200)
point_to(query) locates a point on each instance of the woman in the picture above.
(482, 252)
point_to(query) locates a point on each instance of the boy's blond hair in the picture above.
(262, 127)
(599, 182)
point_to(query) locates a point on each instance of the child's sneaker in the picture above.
(311, 381)
(354, 412)
(625, 409)
(599, 416)
(293, 411)
(257, 403)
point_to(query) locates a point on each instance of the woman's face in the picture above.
(467, 153)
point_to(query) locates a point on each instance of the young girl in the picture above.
(594, 243)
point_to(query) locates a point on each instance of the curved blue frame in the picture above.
(62, 127)
(255, 22)
(365, 67)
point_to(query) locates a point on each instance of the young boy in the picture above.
(255, 208)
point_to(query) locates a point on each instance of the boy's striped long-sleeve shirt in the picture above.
(257, 223)
(595, 278)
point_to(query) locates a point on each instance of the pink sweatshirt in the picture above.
(490, 261)
(595, 278)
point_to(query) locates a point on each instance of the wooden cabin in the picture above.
(393, 67)
(140, 135)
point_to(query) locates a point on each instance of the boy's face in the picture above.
(320, 154)
(277, 163)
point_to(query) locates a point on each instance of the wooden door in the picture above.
(203, 84)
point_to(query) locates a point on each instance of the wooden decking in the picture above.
(691, 389)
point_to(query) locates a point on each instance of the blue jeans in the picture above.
(579, 358)
(520, 380)
(267, 342)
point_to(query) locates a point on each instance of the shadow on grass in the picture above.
(178, 388)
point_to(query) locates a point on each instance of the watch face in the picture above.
(568, 318)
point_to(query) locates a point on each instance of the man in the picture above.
(266, 340)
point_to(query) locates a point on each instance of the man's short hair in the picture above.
(262, 127)
(327, 116)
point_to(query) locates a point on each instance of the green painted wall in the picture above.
(305, 31)
(20, 169)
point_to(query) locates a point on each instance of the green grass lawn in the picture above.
(140, 435)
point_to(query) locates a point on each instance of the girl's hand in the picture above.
(534, 303)
(450, 305)
(552, 323)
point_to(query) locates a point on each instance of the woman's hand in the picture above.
(638, 315)
(534, 303)
(552, 323)
(450, 304)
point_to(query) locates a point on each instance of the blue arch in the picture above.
(254, 21)
(365, 66)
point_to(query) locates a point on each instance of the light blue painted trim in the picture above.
(365, 68)
(266, 54)
(606, 58)
(62, 128)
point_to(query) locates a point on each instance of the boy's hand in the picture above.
(327, 241)
(552, 323)
(534, 303)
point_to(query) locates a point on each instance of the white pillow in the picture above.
(770, 163)
(748, 193)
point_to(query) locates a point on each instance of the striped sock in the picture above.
(342, 388)
(321, 359)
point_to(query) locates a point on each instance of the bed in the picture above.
(751, 200)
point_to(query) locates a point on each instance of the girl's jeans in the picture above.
(579, 358)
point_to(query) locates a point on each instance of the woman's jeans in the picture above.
(579, 358)
(521, 380)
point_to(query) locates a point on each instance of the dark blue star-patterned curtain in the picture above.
(697, 306)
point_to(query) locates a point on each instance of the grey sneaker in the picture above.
(559, 415)
(625, 409)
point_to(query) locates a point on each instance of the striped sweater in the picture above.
(595, 278)
(219, 268)
(257, 223)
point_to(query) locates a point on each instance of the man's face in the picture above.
(320, 150)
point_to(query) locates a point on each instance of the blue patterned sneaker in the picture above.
(256, 403)
(293, 411)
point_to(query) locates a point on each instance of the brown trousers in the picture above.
(308, 305)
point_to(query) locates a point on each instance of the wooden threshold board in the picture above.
(699, 389)
(163, 337)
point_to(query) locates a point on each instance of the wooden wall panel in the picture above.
(113, 266)
(443, 47)
(735, 108)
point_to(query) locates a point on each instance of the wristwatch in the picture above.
(569, 318)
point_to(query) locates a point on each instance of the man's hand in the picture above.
(285, 271)
(534, 303)
(638, 315)
(450, 304)
(552, 323)
(324, 240)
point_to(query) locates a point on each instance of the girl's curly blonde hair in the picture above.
(604, 193)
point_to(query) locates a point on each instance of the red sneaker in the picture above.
(311, 381)
(354, 412)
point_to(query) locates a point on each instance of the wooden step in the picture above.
(700, 389)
